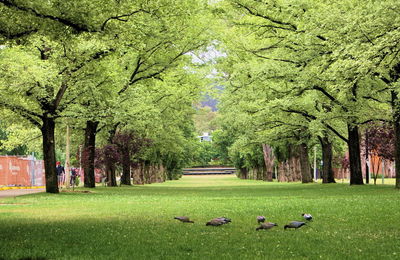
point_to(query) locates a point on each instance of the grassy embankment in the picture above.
(359, 222)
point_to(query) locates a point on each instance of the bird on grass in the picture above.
(267, 226)
(260, 219)
(216, 222)
(184, 219)
(294, 224)
(307, 216)
(224, 219)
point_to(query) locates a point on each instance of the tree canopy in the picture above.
(295, 75)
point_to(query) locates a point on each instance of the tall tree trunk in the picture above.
(126, 169)
(327, 171)
(67, 160)
(49, 154)
(294, 171)
(305, 164)
(244, 173)
(366, 158)
(354, 156)
(142, 177)
(269, 161)
(112, 180)
(396, 122)
(260, 172)
(90, 150)
(147, 172)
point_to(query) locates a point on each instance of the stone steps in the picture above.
(209, 171)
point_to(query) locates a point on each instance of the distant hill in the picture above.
(210, 102)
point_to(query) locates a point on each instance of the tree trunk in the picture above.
(260, 172)
(269, 161)
(397, 148)
(396, 122)
(354, 156)
(147, 172)
(366, 158)
(112, 180)
(244, 173)
(49, 154)
(67, 160)
(90, 150)
(327, 171)
(126, 169)
(305, 164)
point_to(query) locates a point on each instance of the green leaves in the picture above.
(116, 62)
(303, 69)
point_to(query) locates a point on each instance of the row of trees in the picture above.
(107, 69)
(298, 73)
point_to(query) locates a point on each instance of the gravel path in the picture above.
(18, 192)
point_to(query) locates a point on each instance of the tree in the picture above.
(300, 47)
(61, 50)
(129, 145)
(381, 145)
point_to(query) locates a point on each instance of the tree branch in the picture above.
(373, 120)
(14, 36)
(334, 100)
(76, 26)
(336, 132)
(275, 59)
(374, 99)
(119, 18)
(67, 22)
(29, 115)
(305, 114)
(292, 26)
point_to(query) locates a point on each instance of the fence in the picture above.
(376, 165)
(21, 171)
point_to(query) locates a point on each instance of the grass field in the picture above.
(358, 222)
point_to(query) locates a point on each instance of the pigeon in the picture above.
(294, 224)
(260, 219)
(216, 222)
(267, 225)
(307, 216)
(184, 219)
(224, 219)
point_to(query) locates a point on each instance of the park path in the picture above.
(18, 192)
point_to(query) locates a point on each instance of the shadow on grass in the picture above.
(137, 222)
(147, 237)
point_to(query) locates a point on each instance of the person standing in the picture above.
(60, 173)
(72, 181)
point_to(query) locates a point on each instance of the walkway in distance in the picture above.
(209, 170)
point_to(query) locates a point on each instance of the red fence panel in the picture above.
(21, 171)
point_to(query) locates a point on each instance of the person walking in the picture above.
(60, 173)
(74, 173)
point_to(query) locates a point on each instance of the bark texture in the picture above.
(269, 162)
(305, 164)
(396, 119)
(90, 151)
(354, 156)
(328, 175)
(49, 154)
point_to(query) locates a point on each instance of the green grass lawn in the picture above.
(358, 222)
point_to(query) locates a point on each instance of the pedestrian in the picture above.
(72, 181)
(60, 173)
